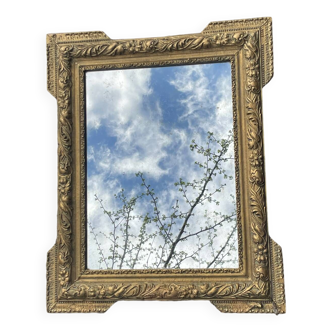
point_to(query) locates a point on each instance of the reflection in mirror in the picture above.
(161, 170)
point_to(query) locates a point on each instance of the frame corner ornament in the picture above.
(263, 26)
(56, 304)
(53, 40)
(275, 304)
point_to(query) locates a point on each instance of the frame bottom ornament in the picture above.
(275, 305)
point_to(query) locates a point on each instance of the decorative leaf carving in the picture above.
(161, 45)
(146, 291)
(255, 145)
(65, 168)
(260, 286)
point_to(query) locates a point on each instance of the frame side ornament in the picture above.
(255, 146)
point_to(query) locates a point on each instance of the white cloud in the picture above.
(114, 96)
(208, 106)
(116, 99)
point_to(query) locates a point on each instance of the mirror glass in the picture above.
(160, 168)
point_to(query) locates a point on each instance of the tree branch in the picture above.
(98, 245)
(208, 179)
(208, 228)
(223, 247)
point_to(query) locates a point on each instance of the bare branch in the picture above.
(207, 180)
(100, 250)
(223, 247)
(137, 240)
(209, 228)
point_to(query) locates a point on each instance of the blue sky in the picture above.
(143, 120)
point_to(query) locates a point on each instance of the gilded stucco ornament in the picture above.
(257, 285)
(255, 146)
(66, 53)
(173, 291)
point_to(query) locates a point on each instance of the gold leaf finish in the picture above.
(237, 307)
(161, 45)
(261, 25)
(51, 63)
(173, 291)
(112, 48)
(256, 178)
(65, 168)
(275, 304)
(51, 279)
(257, 285)
(278, 278)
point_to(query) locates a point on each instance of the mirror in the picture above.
(160, 168)
(161, 181)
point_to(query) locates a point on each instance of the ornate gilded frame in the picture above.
(258, 284)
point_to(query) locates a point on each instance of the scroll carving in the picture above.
(161, 45)
(237, 307)
(256, 179)
(65, 168)
(264, 26)
(112, 48)
(277, 303)
(173, 291)
(253, 106)
(260, 294)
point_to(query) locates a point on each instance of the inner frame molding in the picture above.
(258, 284)
(82, 218)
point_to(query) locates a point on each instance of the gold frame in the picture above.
(258, 284)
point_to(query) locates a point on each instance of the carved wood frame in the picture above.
(257, 285)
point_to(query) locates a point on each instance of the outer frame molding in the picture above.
(258, 285)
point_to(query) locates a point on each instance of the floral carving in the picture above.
(255, 145)
(60, 257)
(114, 48)
(144, 291)
(64, 168)
(161, 45)
(264, 26)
